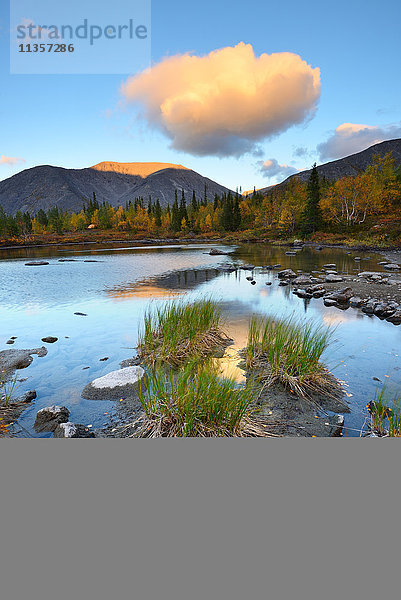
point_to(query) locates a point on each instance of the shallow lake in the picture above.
(115, 290)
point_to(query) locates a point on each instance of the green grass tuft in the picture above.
(7, 389)
(290, 352)
(385, 421)
(394, 419)
(196, 402)
(177, 332)
(379, 412)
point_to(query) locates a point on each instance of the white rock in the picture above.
(121, 377)
(117, 384)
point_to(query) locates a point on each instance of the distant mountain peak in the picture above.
(142, 169)
(45, 186)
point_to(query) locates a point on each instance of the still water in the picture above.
(115, 290)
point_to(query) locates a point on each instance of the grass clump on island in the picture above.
(385, 421)
(196, 402)
(289, 352)
(9, 407)
(178, 332)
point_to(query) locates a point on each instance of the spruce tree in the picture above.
(227, 216)
(194, 202)
(175, 215)
(42, 217)
(3, 220)
(158, 214)
(236, 214)
(311, 219)
(95, 202)
(183, 208)
(204, 202)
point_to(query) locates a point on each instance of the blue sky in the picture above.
(77, 120)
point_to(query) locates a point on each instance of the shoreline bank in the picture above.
(83, 239)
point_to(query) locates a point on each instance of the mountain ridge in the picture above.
(45, 186)
(351, 165)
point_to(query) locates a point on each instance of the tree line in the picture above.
(296, 208)
(349, 203)
(199, 215)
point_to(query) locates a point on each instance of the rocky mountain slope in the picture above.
(46, 186)
(350, 165)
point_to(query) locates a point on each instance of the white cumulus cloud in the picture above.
(226, 102)
(350, 138)
(271, 168)
(10, 160)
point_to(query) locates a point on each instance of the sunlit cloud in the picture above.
(224, 103)
(271, 168)
(350, 138)
(11, 160)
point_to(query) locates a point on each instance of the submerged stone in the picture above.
(395, 318)
(13, 359)
(48, 418)
(341, 296)
(73, 430)
(49, 339)
(329, 302)
(355, 301)
(333, 279)
(286, 273)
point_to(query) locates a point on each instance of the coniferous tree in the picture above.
(158, 214)
(95, 202)
(194, 202)
(42, 217)
(227, 216)
(3, 221)
(311, 219)
(175, 215)
(236, 214)
(204, 202)
(183, 208)
(55, 218)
